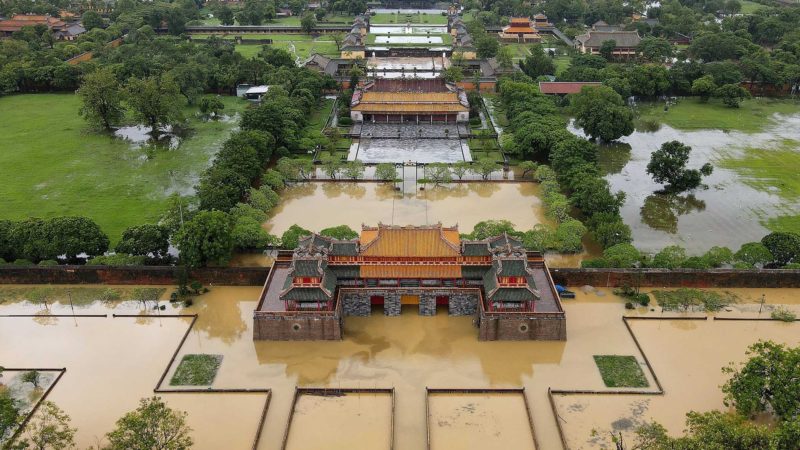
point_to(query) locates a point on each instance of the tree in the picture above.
(732, 94)
(460, 169)
(332, 166)
(386, 172)
(668, 166)
(308, 22)
(607, 49)
(527, 167)
(453, 74)
(221, 188)
(152, 426)
(91, 20)
(71, 236)
(339, 232)
(49, 429)
(438, 173)
(486, 46)
(144, 240)
(612, 232)
(537, 63)
(225, 15)
(353, 170)
(290, 238)
(101, 97)
(623, 255)
(754, 254)
(205, 239)
(704, 87)
(484, 168)
(505, 58)
(766, 382)
(211, 106)
(247, 233)
(490, 228)
(602, 113)
(155, 100)
(670, 257)
(654, 49)
(9, 413)
(784, 247)
(337, 39)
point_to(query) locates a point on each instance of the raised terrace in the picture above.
(389, 268)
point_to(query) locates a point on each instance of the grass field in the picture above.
(301, 45)
(620, 371)
(196, 370)
(749, 7)
(51, 164)
(691, 114)
(431, 19)
(562, 64)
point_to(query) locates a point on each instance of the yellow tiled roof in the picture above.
(410, 242)
(410, 271)
(409, 107)
(410, 97)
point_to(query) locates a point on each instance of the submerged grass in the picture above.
(692, 114)
(620, 371)
(80, 295)
(402, 19)
(684, 299)
(53, 165)
(196, 370)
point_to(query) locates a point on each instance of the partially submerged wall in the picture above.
(722, 278)
(298, 327)
(522, 327)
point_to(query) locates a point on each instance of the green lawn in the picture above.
(518, 51)
(300, 45)
(446, 40)
(51, 164)
(691, 114)
(562, 64)
(749, 7)
(196, 370)
(620, 371)
(432, 19)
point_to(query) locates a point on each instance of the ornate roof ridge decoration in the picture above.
(384, 227)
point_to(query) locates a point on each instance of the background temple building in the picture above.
(626, 42)
(61, 29)
(390, 268)
(409, 101)
(520, 29)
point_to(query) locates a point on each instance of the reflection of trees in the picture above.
(485, 190)
(352, 190)
(298, 190)
(434, 193)
(220, 318)
(661, 211)
(612, 158)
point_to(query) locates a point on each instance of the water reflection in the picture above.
(612, 158)
(660, 211)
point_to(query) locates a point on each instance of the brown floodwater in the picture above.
(111, 363)
(350, 421)
(729, 213)
(470, 421)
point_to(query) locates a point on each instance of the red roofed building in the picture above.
(564, 87)
(61, 29)
(520, 29)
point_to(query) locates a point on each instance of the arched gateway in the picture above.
(309, 291)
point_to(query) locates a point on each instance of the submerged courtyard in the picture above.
(383, 364)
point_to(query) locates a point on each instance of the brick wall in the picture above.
(771, 278)
(306, 327)
(522, 328)
(158, 275)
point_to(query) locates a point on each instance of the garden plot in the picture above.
(341, 419)
(479, 419)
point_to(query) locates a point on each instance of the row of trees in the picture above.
(775, 250)
(63, 238)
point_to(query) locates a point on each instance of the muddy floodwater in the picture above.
(729, 213)
(315, 206)
(113, 362)
(354, 421)
(469, 421)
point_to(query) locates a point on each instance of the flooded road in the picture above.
(315, 206)
(729, 213)
(112, 362)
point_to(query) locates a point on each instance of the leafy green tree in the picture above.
(155, 101)
(732, 94)
(221, 188)
(486, 46)
(607, 49)
(308, 22)
(622, 255)
(484, 168)
(353, 170)
(212, 106)
(91, 20)
(273, 179)
(9, 413)
(784, 247)
(668, 166)
(754, 254)
(612, 232)
(291, 237)
(339, 232)
(247, 234)
(704, 87)
(670, 257)
(225, 14)
(717, 256)
(101, 97)
(602, 113)
(144, 240)
(527, 167)
(205, 239)
(453, 74)
(460, 168)
(505, 58)
(537, 63)
(153, 425)
(766, 382)
(71, 236)
(654, 49)
(490, 228)
(386, 172)
(569, 236)
(49, 429)
(332, 167)
(178, 210)
(438, 173)
(594, 196)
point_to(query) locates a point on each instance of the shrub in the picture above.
(783, 315)
(784, 247)
(717, 256)
(22, 262)
(273, 179)
(621, 255)
(144, 240)
(754, 254)
(669, 257)
(48, 262)
(596, 263)
(569, 236)
(345, 121)
(117, 259)
(695, 262)
(290, 238)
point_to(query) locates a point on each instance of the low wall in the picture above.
(299, 327)
(522, 327)
(722, 278)
(135, 275)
